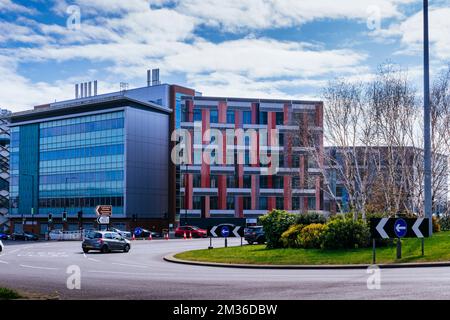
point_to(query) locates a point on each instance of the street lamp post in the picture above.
(427, 119)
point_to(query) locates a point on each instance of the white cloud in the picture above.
(10, 6)
(130, 36)
(235, 15)
(410, 33)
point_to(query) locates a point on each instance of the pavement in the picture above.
(49, 268)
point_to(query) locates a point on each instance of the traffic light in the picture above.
(64, 216)
(80, 215)
(50, 218)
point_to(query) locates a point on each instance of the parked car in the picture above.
(105, 241)
(195, 231)
(125, 234)
(4, 236)
(144, 233)
(26, 236)
(254, 234)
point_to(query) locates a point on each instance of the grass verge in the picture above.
(437, 248)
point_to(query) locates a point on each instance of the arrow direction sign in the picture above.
(236, 232)
(213, 231)
(380, 228)
(416, 229)
(225, 231)
(390, 228)
(103, 210)
(400, 228)
(103, 220)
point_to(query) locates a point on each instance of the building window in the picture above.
(230, 203)
(230, 116)
(247, 181)
(263, 203)
(231, 181)
(280, 203)
(247, 117)
(295, 203)
(197, 115)
(311, 203)
(295, 160)
(247, 203)
(263, 117)
(214, 116)
(214, 181)
(197, 202)
(263, 182)
(279, 118)
(213, 203)
(278, 182)
(281, 137)
(197, 178)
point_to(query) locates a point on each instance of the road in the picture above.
(142, 274)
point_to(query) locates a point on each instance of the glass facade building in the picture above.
(74, 158)
(81, 165)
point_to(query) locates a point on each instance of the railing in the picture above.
(60, 235)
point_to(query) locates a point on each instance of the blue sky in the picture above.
(248, 48)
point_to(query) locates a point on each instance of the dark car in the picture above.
(196, 232)
(105, 241)
(4, 236)
(254, 234)
(26, 236)
(144, 233)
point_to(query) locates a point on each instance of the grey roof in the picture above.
(73, 106)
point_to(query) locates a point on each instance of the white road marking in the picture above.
(92, 259)
(84, 255)
(118, 272)
(33, 267)
(4, 262)
(130, 265)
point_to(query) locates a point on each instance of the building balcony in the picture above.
(271, 192)
(303, 107)
(315, 171)
(303, 149)
(221, 212)
(239, 191)
(303, 192)
(202, 191)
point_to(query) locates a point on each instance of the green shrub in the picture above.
(436, 224)
(310, 218)
(345, 233)
(312, 236)
(275, 223)
(289, 238)
(8, 294)
(444, 222)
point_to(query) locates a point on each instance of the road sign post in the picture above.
(398, 228)
(225, 230)
(374, 253)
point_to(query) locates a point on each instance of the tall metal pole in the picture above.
(427, 118)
